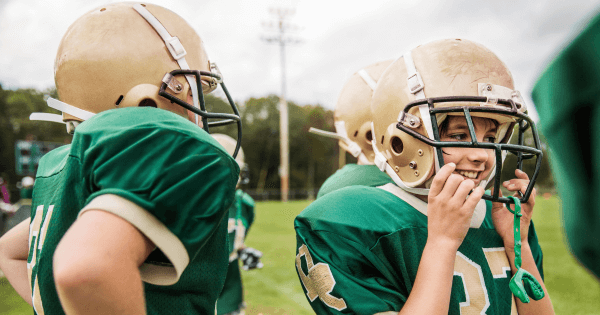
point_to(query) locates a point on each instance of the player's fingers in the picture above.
(531, 200)
(463, 190)
(516, 185)
(521, 175)
(533, 193)
(440, 179)
(452, 184)
(474, 198)
(496, 205)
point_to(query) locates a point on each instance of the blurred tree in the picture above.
(15, 108)
(260, 140)
(310, 163)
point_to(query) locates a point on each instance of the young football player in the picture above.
(130, 218)
(428, 243)
(566, 96)
(241, 217)
(352, 119)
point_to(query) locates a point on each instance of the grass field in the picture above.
(275, 289)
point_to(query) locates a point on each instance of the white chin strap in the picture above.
(65, 108)
(367, 78)
(175, 48)
(340, 127)
(352, 147)
(416, 87)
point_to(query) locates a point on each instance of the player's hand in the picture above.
(449, 211)
(250, 258)
(503, 219)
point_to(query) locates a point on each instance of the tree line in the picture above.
(312, 158)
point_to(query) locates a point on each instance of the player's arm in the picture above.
(449, 214)
(503, 222)
(96, 265)
(14, 249)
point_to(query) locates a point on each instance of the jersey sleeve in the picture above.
(337, 276)
(175, 187)
(339, 258)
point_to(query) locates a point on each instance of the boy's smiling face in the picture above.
(471, 163)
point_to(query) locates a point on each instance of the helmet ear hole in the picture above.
(369, 136)
(397, 145)
(147, 102)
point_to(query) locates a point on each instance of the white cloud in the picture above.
(338, 38)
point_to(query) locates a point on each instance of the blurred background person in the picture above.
(567, 97)
(352, 120)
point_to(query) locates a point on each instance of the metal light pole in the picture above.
(283, 40)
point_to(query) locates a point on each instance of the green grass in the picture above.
(275, 289)
(572, 288)
(10, 302)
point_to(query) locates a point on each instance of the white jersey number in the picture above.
(37, 235)
(477, 299)
(319, 282)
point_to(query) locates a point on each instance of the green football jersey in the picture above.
(567, 99)
(352, 175)
(359, 250)
(164, 175)
(241, 217)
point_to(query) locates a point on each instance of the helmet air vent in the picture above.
(397, 145)
(147, 102)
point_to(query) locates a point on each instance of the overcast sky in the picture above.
(338, 38)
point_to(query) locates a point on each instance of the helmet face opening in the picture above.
(504, 108)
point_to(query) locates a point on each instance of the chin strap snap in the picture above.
(523, 284)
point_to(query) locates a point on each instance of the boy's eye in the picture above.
(458, 136)
(490, 139)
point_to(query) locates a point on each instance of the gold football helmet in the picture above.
(420, 89)
(134, 54)
(352, 115)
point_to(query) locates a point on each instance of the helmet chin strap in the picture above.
(65, 108)
(175, 48)
(367, 78)
(416, 87)
(352, 147)
(340, 127)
